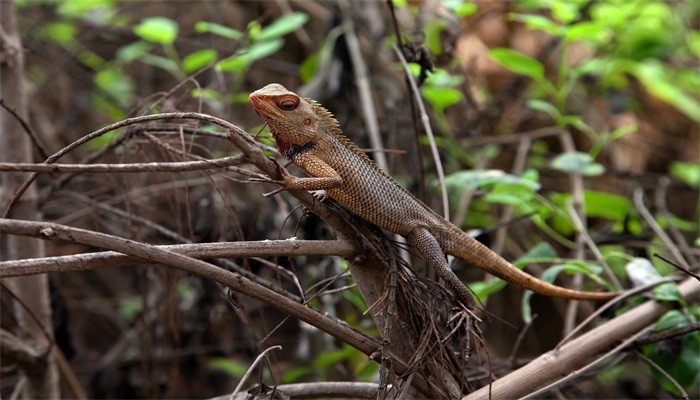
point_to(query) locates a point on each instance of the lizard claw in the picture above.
(320, 195)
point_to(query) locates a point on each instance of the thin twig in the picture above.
(123, 123)
(519, 339)
(644, 212)
(670, 334)
(578, 209)
(579, 224)
(362, 80)
(666, 375)
(428, 131)
(685, 271)
(660, 203)
(252, 367)
(182, 166)
(25, 125)
(518, 167)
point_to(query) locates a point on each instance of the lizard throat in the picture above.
(297, 149)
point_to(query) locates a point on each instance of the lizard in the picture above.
(310, 137)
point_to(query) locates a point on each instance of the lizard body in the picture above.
(309, 136)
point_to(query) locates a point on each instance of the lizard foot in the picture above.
(320, 195)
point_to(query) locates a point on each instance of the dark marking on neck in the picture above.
(297, 149)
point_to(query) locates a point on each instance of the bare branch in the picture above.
(183, 166)
(237, 282)
(321, 390)
(91, 261)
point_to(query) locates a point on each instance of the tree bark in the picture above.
(34, 312)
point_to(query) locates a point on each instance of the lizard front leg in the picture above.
(323, 176)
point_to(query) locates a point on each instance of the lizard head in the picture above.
(293, 121)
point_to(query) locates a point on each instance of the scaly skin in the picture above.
(309, 136)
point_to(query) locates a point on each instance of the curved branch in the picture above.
(237, 282)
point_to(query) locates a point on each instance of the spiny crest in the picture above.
(333, 127)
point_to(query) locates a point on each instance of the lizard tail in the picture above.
(474, 253)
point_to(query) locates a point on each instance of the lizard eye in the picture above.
(287, 104)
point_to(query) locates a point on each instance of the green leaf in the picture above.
(281, 26)
(199, 59)
(308, 68)
(296, 374)
(232, 368)
(625, 130)
(668, 292)
(541, 251)
(255, 52)
(466, 9)
(693, 40)
(564, 11)
(687, 172)
(538, 22)
(217, 29)
(61, 32)
(476, 178)
(133, 51)
(130, 307)
(577, 162)
(684, 225)
(432, 35)
(441, 78)
(328, 359)
(657, 81)
(263, 49)
(588, 31)
(441, 98)
(115, 81)
(161, 62)
(606, 205)
(672, 319)
(482, 290)
(518, 62)
(206, 94)
(81, 8)
(544, 106)
(157, 30)
(512, 198)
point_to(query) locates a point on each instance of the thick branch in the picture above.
(579, 352)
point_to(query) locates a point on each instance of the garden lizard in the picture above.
(309, 136)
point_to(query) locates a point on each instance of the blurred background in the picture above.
(520, 95)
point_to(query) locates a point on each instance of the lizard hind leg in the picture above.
(429, 248)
